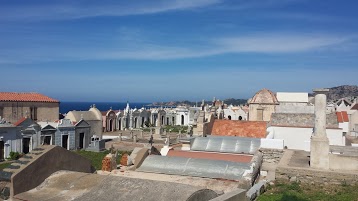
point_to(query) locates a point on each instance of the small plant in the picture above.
(14, 155)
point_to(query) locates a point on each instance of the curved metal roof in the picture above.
(194, 167)
(239, 145)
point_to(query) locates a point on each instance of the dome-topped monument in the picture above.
(264, 96)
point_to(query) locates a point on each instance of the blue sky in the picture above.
(163, 50)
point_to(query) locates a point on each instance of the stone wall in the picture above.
(312, 176)
(42, 163)
(13, 111)
(271, 155)
(301, 120)
(267, 111)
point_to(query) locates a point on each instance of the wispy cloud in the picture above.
(84, 9)
(136, 49)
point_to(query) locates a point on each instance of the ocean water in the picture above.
(102, 106)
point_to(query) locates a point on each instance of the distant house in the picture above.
(10, 139)
(262, 105)
(234, 113)
(38, 107)
(109, 119)
(93, 117)
(64, 133)
(293, 102)
(296, 129)
(30, 134)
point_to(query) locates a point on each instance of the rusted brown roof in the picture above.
(253, 129)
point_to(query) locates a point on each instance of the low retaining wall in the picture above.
(309, 175)
(271, 155)
(312, 176)
(47, 160)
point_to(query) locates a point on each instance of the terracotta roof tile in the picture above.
(20, 121)
(339, 117)
(253, 129)
(342, 117)
(25, 97)
(355, 107)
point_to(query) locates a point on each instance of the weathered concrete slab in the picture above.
(52, 159)
(65, 185)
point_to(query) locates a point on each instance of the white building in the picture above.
(296, 130)
(293, 102)
(233, 113)
(10, 139)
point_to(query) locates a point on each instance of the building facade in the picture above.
(38, 107)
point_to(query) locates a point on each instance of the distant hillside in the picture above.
(345, 91)
(228, 101)
(233, 101)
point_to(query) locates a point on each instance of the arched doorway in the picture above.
(240, 118)
(229, 117)
(182, 119)
(162, 120)
(111, 125)
(173, 121)
(142, 122)
(135, 122)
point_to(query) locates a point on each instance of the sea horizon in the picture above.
(66, 106)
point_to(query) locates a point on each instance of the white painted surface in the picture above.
(292, 97)
(272, 143)
(344, 126)
(299, 138)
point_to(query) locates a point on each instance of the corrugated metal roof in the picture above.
(211, 156)
(216, 169)
(226, 144)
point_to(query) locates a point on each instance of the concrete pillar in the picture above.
(319, 142)
(135, 138)
(120, 137)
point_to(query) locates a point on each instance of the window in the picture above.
(33, 113)
(1, 112)
(260, 114)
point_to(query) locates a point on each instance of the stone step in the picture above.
(21, 161)
(5, 175)
(13, 166)
(10, 170)
(27, 157)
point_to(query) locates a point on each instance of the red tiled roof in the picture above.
(342, 117)
(211, 156)
(254, 129)
(20, 121)
(25, 97)
(355, 107)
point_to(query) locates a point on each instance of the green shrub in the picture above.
(14, 155)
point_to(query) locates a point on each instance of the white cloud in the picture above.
(137, 49)
(278, 43)
(84, 9)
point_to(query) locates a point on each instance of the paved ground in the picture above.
(126, 144)
(214, 184)
(66, 185)
(300, 159)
